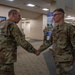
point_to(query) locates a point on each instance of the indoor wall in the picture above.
(33, 28)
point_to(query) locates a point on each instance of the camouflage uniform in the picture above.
(64, 68)
(10, 38)
(45, 33)
(45, 38)
(63, 40)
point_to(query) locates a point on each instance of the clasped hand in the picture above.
(37, 52)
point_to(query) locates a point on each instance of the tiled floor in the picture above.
(30, 64)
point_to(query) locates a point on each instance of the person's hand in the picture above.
(37, 52)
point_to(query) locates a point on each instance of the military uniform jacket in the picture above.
(10, 38)
(63, 40)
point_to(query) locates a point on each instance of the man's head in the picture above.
(14, 15)
(58, 15)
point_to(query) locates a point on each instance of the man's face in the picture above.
(17, 17)
(57, 16)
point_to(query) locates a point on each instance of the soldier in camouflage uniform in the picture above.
(45, 34)
(10, 38)
(63, 41)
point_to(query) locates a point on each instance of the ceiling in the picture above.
(39, 4)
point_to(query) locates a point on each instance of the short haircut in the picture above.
(59, 10)
(12, 11)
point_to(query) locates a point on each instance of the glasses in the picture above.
(56, 14)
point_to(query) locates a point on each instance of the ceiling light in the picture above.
(11, 0)
(45, 9)
(30, 5)
(69, 16)
(23, 19)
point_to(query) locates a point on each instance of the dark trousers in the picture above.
(7, 69)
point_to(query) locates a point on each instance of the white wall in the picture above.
(33, 30)
(36, 31)
(4, 10)
(44, 21)
(29, 14)
(26, 28)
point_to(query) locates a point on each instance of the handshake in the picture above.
(37, 52)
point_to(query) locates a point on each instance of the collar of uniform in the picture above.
(62, 24)
(10, 20)
(60, 27)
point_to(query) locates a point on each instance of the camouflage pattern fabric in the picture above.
(7, 69)
(10, 38)
(47, 29)
(64, 68)
(63, 41)
(45, 33)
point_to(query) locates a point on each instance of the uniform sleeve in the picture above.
(46, 44)
(72, 38)
(20, 39)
